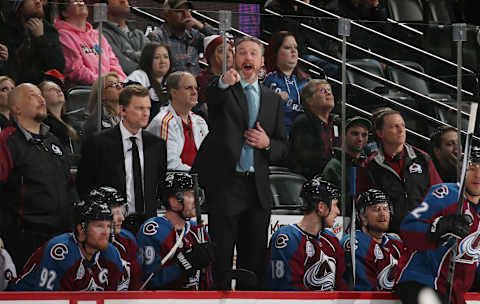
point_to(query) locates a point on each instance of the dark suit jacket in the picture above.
(103, 164)
(220, 151)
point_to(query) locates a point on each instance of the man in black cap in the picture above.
(183, 34)
(356, 137)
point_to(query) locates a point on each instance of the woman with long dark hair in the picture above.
(153, 69)
(285, 77)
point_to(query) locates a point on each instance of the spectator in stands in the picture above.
(112, 86)
(32, 42)
(372, 145)
(152, 73)
(356, 137)
(80, 261)
(213, 53)
(181, 262)
(127, 158)
(80, 45)
(444, 144)
(183, 130)
(35, 165)
(126, 41)
(372, 10)
(183, 34)
(312, 135)
(6, 85)
(285, 76)
(3, 59)
(55, 101)
(402, 171)
(308, 256)
(376, 252)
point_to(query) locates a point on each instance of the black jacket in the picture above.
(29, 57)
(34, 182)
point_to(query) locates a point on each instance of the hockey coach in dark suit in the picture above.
(127, 158)
(247, 134)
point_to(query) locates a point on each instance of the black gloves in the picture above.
(451, 225)
(196, 257)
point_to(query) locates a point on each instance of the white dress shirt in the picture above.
(127, 153)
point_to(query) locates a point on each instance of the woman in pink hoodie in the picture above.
(80, 45)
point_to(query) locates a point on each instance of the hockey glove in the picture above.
(451, 225)
(196, 257)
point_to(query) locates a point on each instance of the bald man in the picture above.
(34, 178)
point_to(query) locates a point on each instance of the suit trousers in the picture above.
(236, 217)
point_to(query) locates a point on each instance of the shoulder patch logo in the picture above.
(441, 191)
(150, 228)
(59, 252)
(281, 241)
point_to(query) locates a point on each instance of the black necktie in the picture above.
(137, 177)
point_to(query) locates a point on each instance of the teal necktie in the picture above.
(246, 155)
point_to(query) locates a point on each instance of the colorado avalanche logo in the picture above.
(469, 249)
(150, 228)
(103, 276)
(59, 252)
(281, 240)
(386, 277)
(321, 275)
(92, 286)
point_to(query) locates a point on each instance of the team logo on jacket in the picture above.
(56, 150)
(469, 249)
(321, 275)
(386, 277)
(378, 253)
(103, 276)
(415, 168)
(59, 252)
(281, 240)
(92, 286)
(80, 272)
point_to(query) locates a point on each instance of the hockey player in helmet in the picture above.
(429, 232)
(307, 256)
(121, 238)
(376, 252)
(79, 261)
(175, 251)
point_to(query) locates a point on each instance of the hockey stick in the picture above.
(168, 256)
(353, 192)
(461, 193)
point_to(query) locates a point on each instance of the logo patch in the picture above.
(415, 168)
(59, 252)
(150, 228)
(281, 241)
(56, 150)
(309, 249)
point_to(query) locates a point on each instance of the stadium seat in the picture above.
(406, 10)
(438, 11)
(77, 98)
(419, 85)
(286, 187)
(368, 65)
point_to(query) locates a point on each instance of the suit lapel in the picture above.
(147, 166)
(117, 154)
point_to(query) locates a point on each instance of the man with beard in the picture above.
(356, 137)
(34, 177)
(376, 253)
(80, 261)
(429, 232)
(247, 133)
(32, 43)
(183, 34)
(126, 41)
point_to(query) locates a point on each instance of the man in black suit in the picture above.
(247, 133)
(127, 158)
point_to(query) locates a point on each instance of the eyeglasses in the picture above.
(6, 89)
(325, 91)
(78, 3)
(118, 85)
